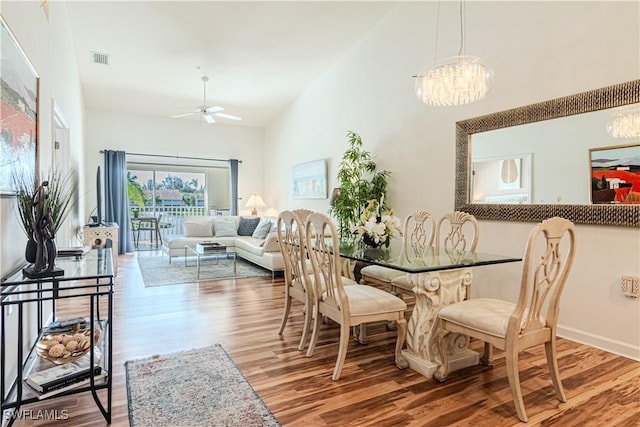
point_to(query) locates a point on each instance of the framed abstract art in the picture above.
(310, 180)
(19, 113)
(615, 174)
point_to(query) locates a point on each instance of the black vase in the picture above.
(370, 242)
(30, 251)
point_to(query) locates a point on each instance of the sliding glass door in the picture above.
(171, 193)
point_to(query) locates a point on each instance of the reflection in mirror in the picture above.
(534, 162)
(505, 178)
(561, 166)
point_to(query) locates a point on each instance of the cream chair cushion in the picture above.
(381, 273)
(402, 282)
(486, 315)
(367, 300)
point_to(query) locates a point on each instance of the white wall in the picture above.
(174, 137)
(47, 44)
(540, 51)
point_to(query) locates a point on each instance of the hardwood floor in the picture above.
(244, 315)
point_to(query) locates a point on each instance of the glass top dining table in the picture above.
(431, 260)
(438, 278)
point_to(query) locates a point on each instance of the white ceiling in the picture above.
(259, 56)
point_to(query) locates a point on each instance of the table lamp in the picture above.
(254, 202)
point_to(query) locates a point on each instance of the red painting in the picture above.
(18, 112)
(615, 174)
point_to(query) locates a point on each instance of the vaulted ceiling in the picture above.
(259, 56)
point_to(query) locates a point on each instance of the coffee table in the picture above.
(202, 255)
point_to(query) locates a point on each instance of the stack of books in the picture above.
(60, 378)
(76, 251)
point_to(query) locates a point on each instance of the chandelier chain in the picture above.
(461, 50)
(435, 55)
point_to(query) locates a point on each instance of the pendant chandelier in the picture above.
(625, 123)
(457, 80)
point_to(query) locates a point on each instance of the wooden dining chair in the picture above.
(514, 327)
(417, 236)
(346, 305)
(291, 238)
(455, 232)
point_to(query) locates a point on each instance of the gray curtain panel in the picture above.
(116, 199)
(233, 170)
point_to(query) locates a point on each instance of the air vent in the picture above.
(100, 58)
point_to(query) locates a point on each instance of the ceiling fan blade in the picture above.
(228, 116)
(209, 118)
(184, 115)
(214, 109)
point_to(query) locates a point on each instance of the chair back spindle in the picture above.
(457, 232)
(321, 238)
(418, 234)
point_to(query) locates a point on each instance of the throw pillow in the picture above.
(247, 226)
(263, 228)
(224, 228)
(197, 229)
(271, 243)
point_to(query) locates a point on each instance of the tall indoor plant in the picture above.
(60, 200)
(359, 182)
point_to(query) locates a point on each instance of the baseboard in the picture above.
(603, 343)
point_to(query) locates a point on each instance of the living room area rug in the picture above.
(199, 387)
(157, 271)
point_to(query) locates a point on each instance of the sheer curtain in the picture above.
(116, 199)
(233, 170)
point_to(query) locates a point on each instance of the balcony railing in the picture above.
(172, 216)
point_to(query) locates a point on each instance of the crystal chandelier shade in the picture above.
(457, 80)
(625, 123)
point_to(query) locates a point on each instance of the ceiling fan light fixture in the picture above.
(207, 112)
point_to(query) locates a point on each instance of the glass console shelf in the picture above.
(84, 290)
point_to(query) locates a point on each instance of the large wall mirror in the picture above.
(538, 161)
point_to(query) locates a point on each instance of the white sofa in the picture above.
(264, 252)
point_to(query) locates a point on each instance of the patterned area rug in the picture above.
(156, 270)
(200, 387)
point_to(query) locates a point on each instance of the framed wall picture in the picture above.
(19, 114)
(310, 180)
(615, 174)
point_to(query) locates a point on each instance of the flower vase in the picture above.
(370, 242)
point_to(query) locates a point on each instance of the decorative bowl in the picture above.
(66, 347)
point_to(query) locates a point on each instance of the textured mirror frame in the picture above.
(608, 97)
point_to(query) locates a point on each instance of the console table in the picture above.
(87, 282)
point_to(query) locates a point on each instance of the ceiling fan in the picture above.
(207, 112)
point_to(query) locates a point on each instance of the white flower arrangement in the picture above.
(377, 227)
